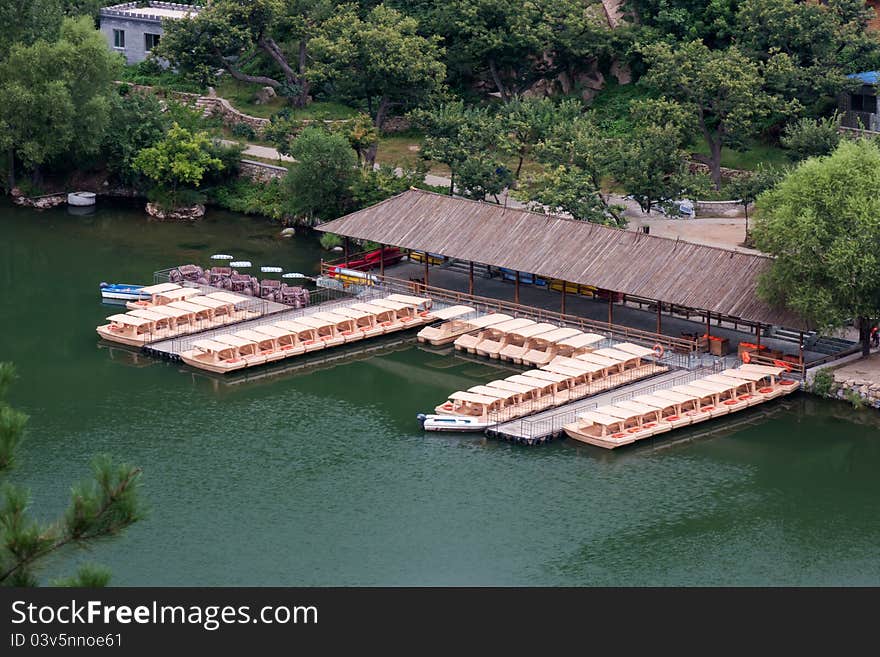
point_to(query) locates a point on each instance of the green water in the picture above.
(321, 477)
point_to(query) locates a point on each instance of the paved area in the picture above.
(865, 371)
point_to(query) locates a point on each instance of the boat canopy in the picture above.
(634, 349)
(713, 387)
(211, 346)
(511, 325)
(410, 300)
(314, 321)
(452, 312)
(332, 317)
(615, 354)
(472, 398)
(547, 375)
(520, 388)
(148, 314)
(532, 330)
(532, 382)
(392, 305)
(700, 393)
(581, 341)
(235, 341)
(209, 302)
(294, 326)
(130, 320)
(766, 370)
(227, 297)
(656, 401)
(273, 331)
(168, 310)
(179, 293)
(599, 359)
(678, 396)
(596, 417)
(638, 407)
(498, 393)
(252, 335)
(731, 381)
(351, 313)
(371, 308)
(484, 321)
(612, 410)
(159, 288)
(745, 375)
(577, 363)
(188, 306)
(558, 335)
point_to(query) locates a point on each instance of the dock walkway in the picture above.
(547, 425)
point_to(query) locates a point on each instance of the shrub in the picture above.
(266, 199)
(329, 240)
(243, 131)
(823, 384)
(811, 137)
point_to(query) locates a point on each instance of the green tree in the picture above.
(467, 140)
(178, 163)
(57, 97)
(568, 190)
(319, 185)
(516, 44)
(820, 42)
(747, 188)
(136, 122)
(652, 164)
(577, 156)
(98, 510)
(821, 224)
(234, 34)
(373, 185)
(527, 122)
(811, 137)
(722, 90)
(26, 21)
(380, 59)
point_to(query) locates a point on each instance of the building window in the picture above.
(119, 38)
(864, 103)
(150, 41)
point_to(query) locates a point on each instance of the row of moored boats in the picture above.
(643, 416)
(168, 310)
(285, 338)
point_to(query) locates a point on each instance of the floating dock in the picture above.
(545, 426)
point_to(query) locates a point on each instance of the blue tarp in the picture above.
(866, 77)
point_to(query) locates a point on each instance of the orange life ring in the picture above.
(658, 350)
(633, 430)
(744, 397)
(783, 365)
(746, 357)
(447, 406)
(731, 402)
(671, 418)
(785, 382)
(618, 435)
(766, 390)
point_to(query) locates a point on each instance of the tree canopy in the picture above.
(822, 224)
(57, 96)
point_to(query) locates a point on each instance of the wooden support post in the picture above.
(758, 335)
(516, 289)
(610, 309)
(426, 269)
(801, 349)
(346, 252)
(708, 324)
(563, 297)
(471, 278)
(382, 261)
(659, 326)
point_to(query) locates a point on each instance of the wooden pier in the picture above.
(545, 426)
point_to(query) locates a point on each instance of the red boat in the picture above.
(371, 260)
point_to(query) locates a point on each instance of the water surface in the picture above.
(321, 476)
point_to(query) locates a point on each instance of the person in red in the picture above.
(875, 336)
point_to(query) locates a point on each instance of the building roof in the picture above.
(673, 271)
(866, 77)
(154, 11)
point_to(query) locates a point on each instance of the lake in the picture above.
(321, 476)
